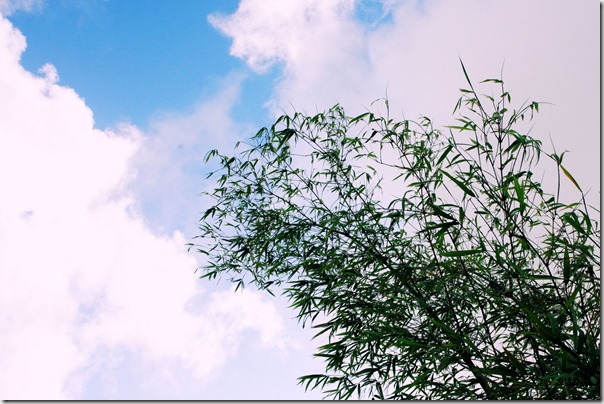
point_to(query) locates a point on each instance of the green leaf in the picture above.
(541, 277)
(465, 73)
(570, 177)
(566, 269)
(460, 184)
(461, 253)
(432, 225)
(499, 370)
(441, 212)
(359, 117)
(209, 155)
(519, 193)
(572, 219)
(408, 342)
(444, 154)
(446, 329)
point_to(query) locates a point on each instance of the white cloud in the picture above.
(9, 7)
(82, 278)
(170, 163)
(318, 44)
(267, 32)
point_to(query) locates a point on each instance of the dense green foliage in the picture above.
(434, 261)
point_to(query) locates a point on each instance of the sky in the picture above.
(107, 109)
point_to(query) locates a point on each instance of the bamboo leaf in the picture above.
(446, 329)
(460, 184)
(408, 342)
(519, 193)
(461, 253)
(566, 269)
(570, 177)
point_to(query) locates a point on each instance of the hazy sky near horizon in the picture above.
(107, 109)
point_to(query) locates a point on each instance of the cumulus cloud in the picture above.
(267, 32)
(329, 53)
(82, 277)
(315, 43)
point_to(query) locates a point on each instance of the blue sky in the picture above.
(108, 108)
(111, 50)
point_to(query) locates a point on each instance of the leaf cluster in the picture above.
(456, 277)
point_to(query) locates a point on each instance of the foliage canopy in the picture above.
(440, 266)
